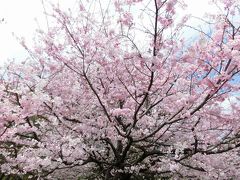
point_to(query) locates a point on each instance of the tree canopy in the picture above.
(114, 91)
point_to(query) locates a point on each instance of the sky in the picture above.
(22, 17)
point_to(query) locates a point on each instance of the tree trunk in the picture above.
(123, 176)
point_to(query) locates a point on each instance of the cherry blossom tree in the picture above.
(114, 91)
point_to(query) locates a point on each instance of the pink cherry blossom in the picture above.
(107, 95)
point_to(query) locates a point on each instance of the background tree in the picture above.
(113, 91)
